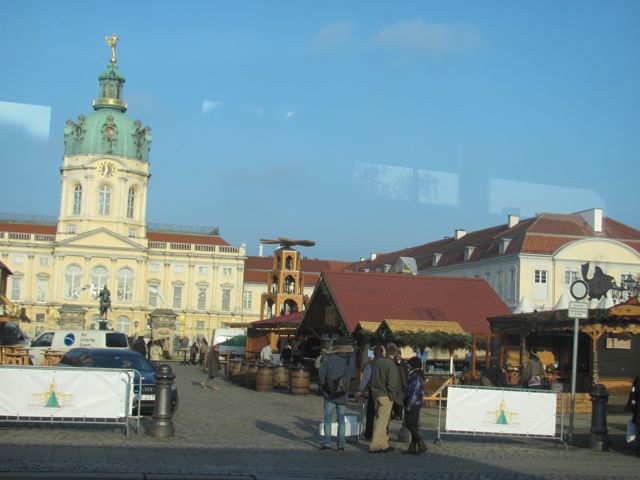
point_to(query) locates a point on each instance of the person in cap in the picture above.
(339, 363)
(413, 401)
(533, 371)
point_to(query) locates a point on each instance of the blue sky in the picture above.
(365, 126)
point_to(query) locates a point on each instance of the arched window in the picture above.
(72, 281)
(123, 324)
(131, 201)
(125, 285)
(77, 199)
(104, 200)
(99, 278)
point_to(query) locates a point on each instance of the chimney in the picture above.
(373, 256)
(260, 250)
(459, 233)
(594, 218)
(512, 220)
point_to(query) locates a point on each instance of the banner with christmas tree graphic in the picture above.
(65, 392)
(509, 411)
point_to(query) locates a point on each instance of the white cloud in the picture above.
(288, 115)
(34, 119)
(336, 33)
(208, 105)
(430, 38)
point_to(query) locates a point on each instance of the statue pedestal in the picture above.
(71, 317)
(163, 326)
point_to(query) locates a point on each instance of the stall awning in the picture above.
(369, 326)
(395, 325)
(629, 309)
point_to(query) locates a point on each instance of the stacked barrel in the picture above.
(266, 378)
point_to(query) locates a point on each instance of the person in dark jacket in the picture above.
(633, 407)
(140, 346)
(386, 389)
(365, 387)
(398, 409)
(213, 370)
(413, 400)
(340, 362)
(493, 376)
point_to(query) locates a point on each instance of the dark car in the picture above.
(122, 359)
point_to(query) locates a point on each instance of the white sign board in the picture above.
(65, 392)
(578, 310)
(511, 412)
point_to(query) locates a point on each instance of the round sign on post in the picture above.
(579, 289)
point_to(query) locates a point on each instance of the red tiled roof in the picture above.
(27, 228)
(291, 319)
(185, 238)
(544, 234)
(374, 297)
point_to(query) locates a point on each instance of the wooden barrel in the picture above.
(234, 369)
(241, 378)
(280, 377)
(264, 378)
(250, 378)
(299, 380)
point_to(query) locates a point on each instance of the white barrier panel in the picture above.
(510, 412)
(65, 392)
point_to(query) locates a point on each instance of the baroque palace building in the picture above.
(175, 281)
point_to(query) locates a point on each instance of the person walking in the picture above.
(213, 370)
(398, 409)
(413, 401)
(386, 389)
(203, 347)
(193, 352)
(339, 364)
(365, 387)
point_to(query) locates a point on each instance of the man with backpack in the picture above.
(336, 371)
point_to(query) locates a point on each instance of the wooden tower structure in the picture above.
(285, 283)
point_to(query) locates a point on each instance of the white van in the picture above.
(221, 335)
(63, 340)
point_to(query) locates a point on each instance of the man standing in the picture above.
(339, 364)
(386, 389)
(266, 354)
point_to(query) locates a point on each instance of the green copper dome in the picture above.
(108, 131)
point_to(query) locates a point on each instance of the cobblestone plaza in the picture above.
(240, 433)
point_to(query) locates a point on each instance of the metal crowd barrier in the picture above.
(125, 420)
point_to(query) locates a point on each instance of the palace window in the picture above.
(540, 276)
(72, 281)
(247, 300)
(104, 200)
(177, 296)
(42, 287)
(570, 276)
(16, 287)
(131, 199)
(125, 285)
(512, 283)
(203, 270)
(153, 294)
(123, 324)
(226, 299)
(202, 298)
(99, 278)
(77, 199)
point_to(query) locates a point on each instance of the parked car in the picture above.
(122, 359)
(63, 340)
(10, 334)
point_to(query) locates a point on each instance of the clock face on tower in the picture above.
(106, 169)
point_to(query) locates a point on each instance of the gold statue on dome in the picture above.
(112, 42)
